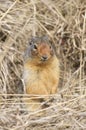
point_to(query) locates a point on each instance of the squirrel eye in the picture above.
(35, 46)
(50, 47)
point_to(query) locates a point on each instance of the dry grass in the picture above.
(64, 21)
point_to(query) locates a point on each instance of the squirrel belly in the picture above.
(41, 79)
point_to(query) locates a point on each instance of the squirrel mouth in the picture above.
(44, 58)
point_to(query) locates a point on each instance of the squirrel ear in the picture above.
(45, 38)
(34, 39)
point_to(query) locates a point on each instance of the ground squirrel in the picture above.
(41, 69)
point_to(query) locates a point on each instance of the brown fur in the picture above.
(41, 77)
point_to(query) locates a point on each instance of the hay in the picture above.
(65, 23)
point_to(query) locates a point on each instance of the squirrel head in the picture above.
(40, 49)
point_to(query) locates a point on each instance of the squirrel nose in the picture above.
(44, 58)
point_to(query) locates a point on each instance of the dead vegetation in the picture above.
(64, 21)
